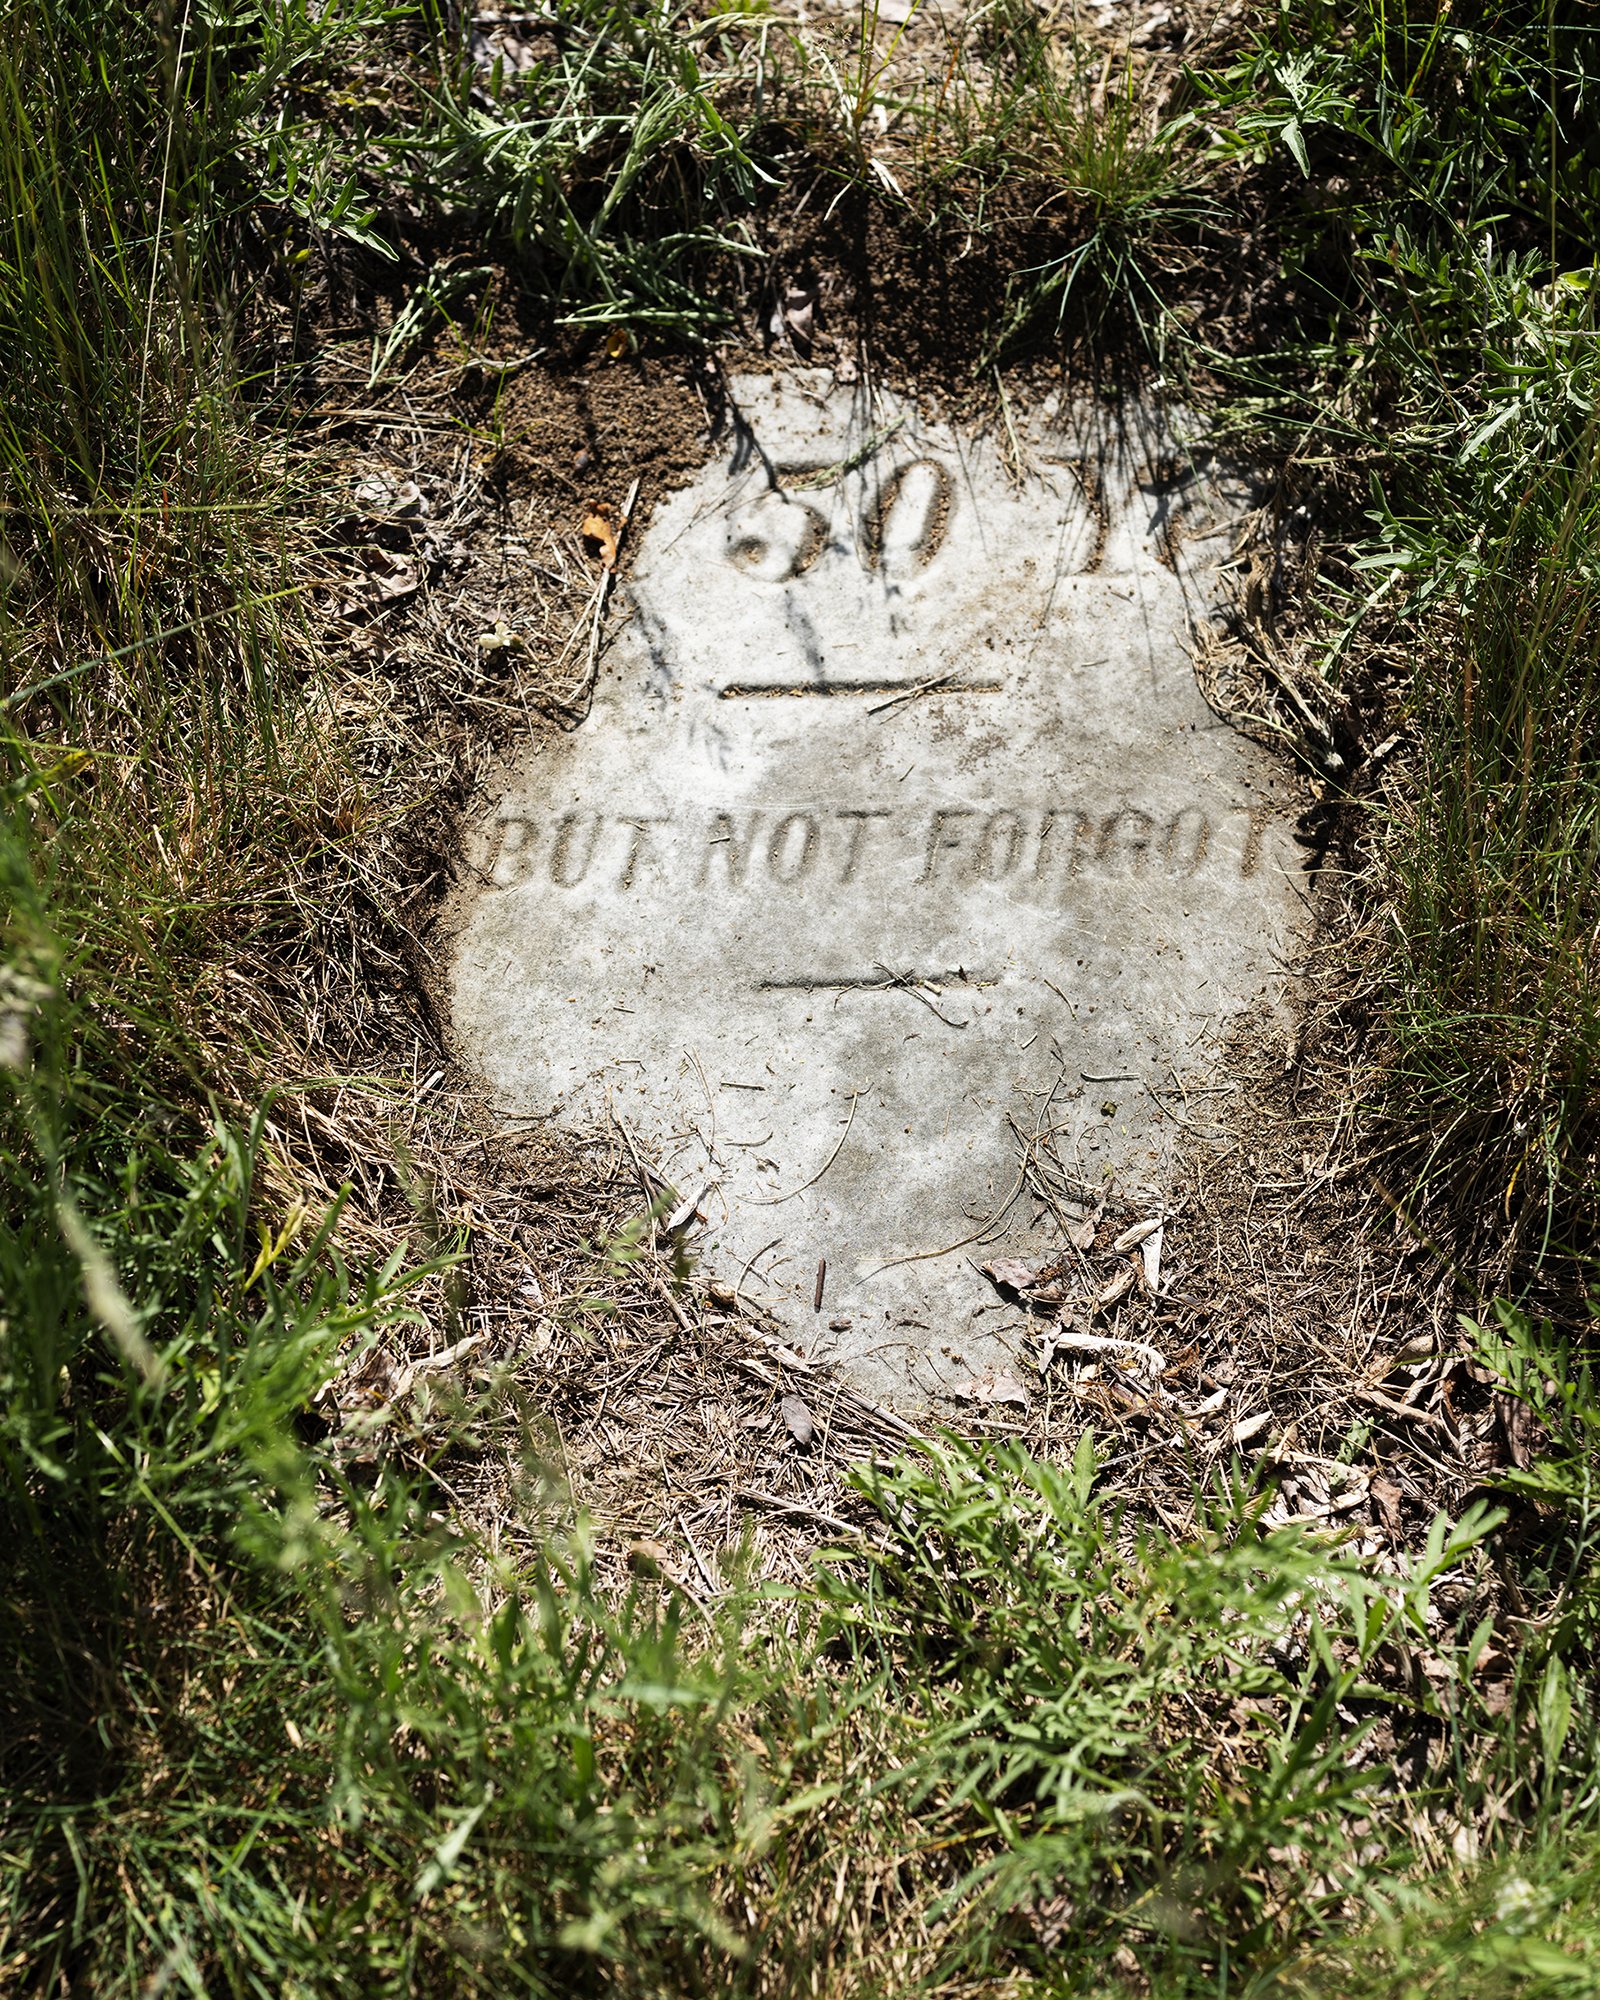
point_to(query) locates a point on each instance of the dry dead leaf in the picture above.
(511, 47)
(1062, 1340)
(387, 579)
(1116, 1287)
(1131, 1238)
(688, 1210)
(799, 314)
(794, 318)
(1387, 1496)
(401, 500)
(795, 1414)
(1520, 1428)
(1251, 1427)
(599, 530)
(618, 342)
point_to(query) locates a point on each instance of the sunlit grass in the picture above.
(276, 1723)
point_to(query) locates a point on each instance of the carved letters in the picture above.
(1024, 849)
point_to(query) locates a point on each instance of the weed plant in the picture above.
(1117, 176)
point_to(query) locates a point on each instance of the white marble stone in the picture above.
(898, 825)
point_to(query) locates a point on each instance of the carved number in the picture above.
(778, 537)
(908, 519)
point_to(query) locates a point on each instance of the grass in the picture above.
(276, 1716)
(1454, 377)
(613, 168)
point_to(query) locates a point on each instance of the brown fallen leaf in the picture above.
(598, 530)
(385, 580)
(799, 310)
(1496, 1678)
(1520, 1429)
(1116, 1287)
(618, 341)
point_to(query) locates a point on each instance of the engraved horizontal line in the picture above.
(871, 982)
(765, 690)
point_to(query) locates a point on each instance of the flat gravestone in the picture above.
(897, 835)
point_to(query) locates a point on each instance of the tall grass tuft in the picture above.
(1495, 997)
(1436, 186)
(621, 169)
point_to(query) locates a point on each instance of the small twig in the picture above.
(977, 1236)
(907, 984)
(829, 475)
(916, 688)
(674, 1304)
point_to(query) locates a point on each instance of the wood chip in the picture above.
(1151, 1251)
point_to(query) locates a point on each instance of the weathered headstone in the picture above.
(898, 833)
